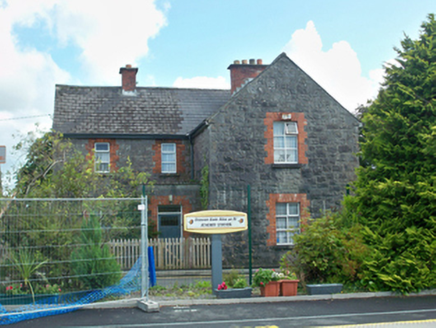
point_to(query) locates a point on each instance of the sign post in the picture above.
(215, 223)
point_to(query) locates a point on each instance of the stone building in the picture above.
(276, 131)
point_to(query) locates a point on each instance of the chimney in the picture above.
(240, 74)
(128, 78)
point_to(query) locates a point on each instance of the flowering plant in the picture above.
(16, 289)
(264, 276)
(222, 286)
(288, 275)
(22, 289)
(48, 289)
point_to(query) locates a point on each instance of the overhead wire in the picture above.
(23, 117)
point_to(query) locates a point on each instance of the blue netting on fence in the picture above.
(64, 303)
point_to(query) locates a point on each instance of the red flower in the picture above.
(222, 286)
(261, 283)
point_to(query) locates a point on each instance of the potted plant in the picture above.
(268, 281)
(239, 289)
(289, 284)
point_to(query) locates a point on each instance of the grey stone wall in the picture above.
(141, 152)
(237, 154)
(201, 152)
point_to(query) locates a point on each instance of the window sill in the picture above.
(286, 166)
(169, 175)
(283, 246)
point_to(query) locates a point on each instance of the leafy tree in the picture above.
(55, 169)
(395, 192)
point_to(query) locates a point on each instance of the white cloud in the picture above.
(202, 82)
(107, 33)
(110, 33)
(27, 77)
(337, 70)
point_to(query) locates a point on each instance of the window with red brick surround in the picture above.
(271, 216)
(183, 201)
(269, 134)
(113, 147)
(180, 158)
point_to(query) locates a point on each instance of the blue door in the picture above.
(170, 223)
(169, 226)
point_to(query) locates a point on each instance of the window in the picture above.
(287, 222)
(102, 157)
(285, 142)
(168, 152)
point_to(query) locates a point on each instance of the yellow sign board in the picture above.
(215, 222)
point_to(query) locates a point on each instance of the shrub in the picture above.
(326, 252)
(231, 277)
(93, 263)
(240, 283)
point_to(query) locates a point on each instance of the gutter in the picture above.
(125, 136)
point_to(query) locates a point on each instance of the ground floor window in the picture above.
(287, 222)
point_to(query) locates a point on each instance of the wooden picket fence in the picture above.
(169, 253)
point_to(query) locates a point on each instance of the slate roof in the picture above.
(156, 111)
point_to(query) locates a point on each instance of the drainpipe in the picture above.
(191, 142)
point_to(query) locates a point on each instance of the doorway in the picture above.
(170, 221)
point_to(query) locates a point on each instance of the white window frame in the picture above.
(98, 160)
(172, 161)
(289, 132)
(289, 229)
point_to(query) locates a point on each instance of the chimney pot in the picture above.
(259, 62)
(252, 61)
(236, 62)
(244, 61)
(128, 66)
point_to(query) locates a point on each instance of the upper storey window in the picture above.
(102, 157)
(169, 160)
(285, 142)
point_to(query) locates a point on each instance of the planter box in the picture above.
(234, 293)
(320, 289)
(271, 289)
(289, 287)
(6, 299)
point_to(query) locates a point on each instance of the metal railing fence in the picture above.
(62, 246)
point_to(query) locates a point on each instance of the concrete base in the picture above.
(148, 306)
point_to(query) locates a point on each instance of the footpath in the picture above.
(162, 301)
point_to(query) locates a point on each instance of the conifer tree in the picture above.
(395, 193)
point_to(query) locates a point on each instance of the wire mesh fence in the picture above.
(56, 252)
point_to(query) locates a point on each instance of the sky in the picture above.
(341, 44)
